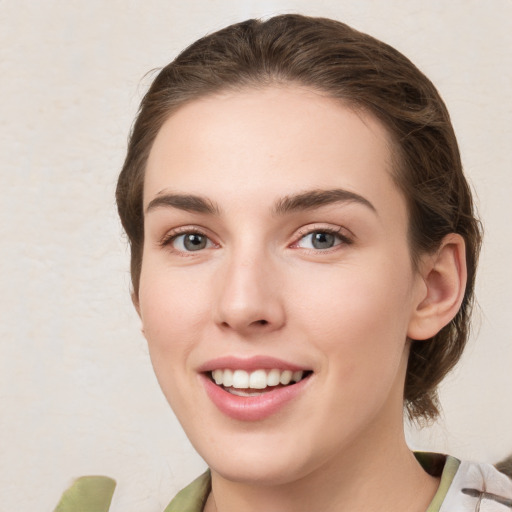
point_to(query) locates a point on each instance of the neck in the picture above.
(381, 475)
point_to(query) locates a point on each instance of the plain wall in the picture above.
(77, 392)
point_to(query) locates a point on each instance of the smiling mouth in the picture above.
(257, 382)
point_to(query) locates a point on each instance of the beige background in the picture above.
(77, 393)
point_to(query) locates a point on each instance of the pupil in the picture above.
(194, 242)
(323, 240)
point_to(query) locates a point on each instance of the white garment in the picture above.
(478, 487)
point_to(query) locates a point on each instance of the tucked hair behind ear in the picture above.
(360, 71)
(505, 466)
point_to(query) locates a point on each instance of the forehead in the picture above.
(268, 142)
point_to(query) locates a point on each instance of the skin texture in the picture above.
(259, 287)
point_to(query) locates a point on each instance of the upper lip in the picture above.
(259, 362)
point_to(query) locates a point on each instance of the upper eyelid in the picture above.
(174, 233)
(300, 233)
(313, 229)
(329, 228)
(345, 235)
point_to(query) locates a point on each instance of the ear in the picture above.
(444, 276)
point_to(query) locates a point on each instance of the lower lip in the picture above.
(252, 408)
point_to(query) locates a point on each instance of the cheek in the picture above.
(170, 322)
(361, 296)
(171, 297)
(357, 317)
(173, 312)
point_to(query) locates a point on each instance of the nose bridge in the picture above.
(249, 297)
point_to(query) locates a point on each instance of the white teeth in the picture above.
(286, 377)
(217, 376)
(240, 392)
(240, 379)
(273, 377)
(258, 379)
(297, 376)
(227, 379)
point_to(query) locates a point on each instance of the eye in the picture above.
(322, 240)
(190, 242)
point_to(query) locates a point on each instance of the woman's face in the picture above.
(276, 247)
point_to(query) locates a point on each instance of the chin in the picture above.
(263, 458)
(259, 471)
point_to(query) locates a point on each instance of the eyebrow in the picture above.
(312, 199)
(302, 201)
(187, 202)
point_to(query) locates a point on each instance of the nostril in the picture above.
(256, 322)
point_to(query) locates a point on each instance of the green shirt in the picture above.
(193, 497)
(464, 487)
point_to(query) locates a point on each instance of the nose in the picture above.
(249, 299)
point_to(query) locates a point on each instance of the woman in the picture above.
(303, 255)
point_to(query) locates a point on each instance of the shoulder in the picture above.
(477, 487)
(94, 494)
(193, 497)
(88, 493)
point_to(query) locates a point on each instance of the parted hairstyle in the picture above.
(363, 73)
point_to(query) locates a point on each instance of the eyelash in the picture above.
(336, 232)
(168, 239)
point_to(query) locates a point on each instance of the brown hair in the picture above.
(505, 466)
(329, 56)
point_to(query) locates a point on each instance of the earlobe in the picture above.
(444, 275)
